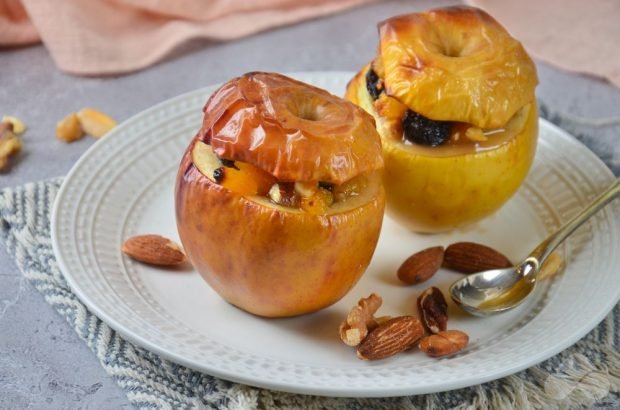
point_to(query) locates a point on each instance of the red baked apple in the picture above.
(279, 200)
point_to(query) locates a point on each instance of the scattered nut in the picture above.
(360, 320)
(389, 338)
(5, 128)
(552, 266)
(433, 310)
(69, 128)
(10, 144)
(470, 257)
(18, 126)
(95, 123)
(444, 343)
(154, 250)
(421, 266)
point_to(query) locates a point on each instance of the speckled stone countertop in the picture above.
(43, 364)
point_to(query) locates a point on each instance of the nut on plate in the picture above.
(444, 343)
(470, 257)
(154, 250)
(433, 310)
(389, 338)
(421, 266)
(360, 320)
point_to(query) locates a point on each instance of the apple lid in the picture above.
(456, 64)
(292, 130)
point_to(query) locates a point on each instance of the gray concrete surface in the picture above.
(43, 364)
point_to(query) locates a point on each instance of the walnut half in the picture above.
(360, 320)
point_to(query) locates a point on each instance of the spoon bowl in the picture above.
(493, 291)
(497, 290)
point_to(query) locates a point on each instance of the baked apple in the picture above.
(279, 199)
(453, 97)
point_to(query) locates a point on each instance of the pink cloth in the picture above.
(576, 35)
(94, 37)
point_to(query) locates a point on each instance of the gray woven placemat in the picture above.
(587, 374)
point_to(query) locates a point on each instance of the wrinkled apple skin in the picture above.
(269, 261)
(436, 194)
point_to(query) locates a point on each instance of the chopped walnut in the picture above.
(360, 320)
(10, 144)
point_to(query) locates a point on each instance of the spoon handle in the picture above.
(543, 250)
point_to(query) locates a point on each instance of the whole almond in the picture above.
(154, 250)
(390, 337)
(433, 310)
(421, 266)
(470, 257)
(444, 343)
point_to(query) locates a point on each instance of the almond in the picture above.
(444, 343)
(421, 266)
(390, 337)
(154, 250)
(433, 310)
(470, 257)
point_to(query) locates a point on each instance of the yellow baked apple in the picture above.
(279, 199)
(453, 97)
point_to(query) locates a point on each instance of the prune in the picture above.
(229, 163)
(218, 174)
(424, 131)
(374, 85)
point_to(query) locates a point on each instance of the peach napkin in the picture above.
(93, 37)
(576, 35)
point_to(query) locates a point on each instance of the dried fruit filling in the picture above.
(374, 84)
(422, 131)
(314, 197)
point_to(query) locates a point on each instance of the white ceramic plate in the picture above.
(124, 186)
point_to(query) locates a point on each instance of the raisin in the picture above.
(229, 163)
(218, 174)
(424, 131)
(374, 85)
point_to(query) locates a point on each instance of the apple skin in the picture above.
(269, 261)
(438, 194)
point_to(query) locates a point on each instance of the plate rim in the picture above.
(296, 388)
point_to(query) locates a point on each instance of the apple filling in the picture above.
(429, 137)
(314, 197)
